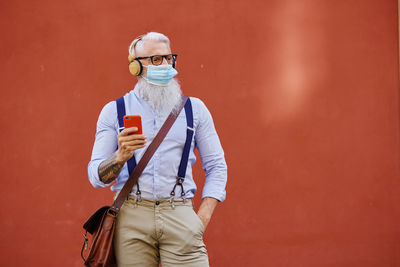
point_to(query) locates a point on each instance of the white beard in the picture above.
(163, 99)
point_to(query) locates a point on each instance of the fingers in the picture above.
(128, 131)
(128, 134)
(133, 137)
(131, 143)
(128, 142)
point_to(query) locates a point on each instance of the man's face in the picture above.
(151, 48)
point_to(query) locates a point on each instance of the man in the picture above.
(150, 227)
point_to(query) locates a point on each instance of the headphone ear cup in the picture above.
(135, 67)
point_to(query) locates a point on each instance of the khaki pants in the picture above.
(150, 231)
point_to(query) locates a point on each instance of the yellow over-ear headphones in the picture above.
(135, 66)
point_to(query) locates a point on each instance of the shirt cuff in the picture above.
(220, 196)
(93, 172)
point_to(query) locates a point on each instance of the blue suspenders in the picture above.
(121, 113)
(186, 149)
(132, 161)
(185, 153)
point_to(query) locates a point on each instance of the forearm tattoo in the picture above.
(109, 169)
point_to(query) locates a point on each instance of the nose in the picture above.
(164, 61)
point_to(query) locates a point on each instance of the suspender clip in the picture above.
(171, 200)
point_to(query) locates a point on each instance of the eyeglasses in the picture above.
(158, 59)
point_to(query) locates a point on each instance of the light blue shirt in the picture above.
(159, 176)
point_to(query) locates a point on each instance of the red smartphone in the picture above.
(133, 121)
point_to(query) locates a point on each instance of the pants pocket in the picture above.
(202, 229)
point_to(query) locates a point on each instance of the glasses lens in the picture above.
(156, 60)
(169, 58)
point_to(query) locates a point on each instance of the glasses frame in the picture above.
(174, 56)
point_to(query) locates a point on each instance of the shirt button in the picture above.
(157, 202)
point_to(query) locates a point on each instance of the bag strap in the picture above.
(134, 176)
(121, 113)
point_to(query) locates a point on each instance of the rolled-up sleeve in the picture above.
(212, 155)
(105, 142)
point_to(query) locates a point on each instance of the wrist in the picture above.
(205, 220)
(119, 159)
(204, 217)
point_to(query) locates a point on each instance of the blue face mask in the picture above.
(160, 75)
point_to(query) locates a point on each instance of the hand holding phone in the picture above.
(133, 121)
(130, 140)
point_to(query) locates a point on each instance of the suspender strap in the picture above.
(121, 113)
(185, 153)
(189, 137)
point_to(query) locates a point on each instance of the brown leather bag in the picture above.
(101, 225)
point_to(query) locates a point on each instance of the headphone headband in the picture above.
(133, 45)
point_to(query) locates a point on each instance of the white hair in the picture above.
(150, 36)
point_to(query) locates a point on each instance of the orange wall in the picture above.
(304, 95)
